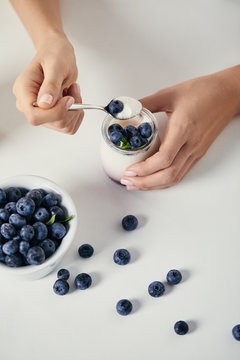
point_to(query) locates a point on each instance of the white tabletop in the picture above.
(193, 226)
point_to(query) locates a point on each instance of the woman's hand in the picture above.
(50, 79)
(198, 111)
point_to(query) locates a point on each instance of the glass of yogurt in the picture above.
(114, 159)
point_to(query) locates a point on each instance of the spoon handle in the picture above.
(80, 106)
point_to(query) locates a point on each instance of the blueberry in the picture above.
(83, 281)
(10, 247)
(115, 137)
(2, 255)
(181, 327)
(42, 215)
(85, 251)
(51, 199)
(61, 287)
(114, 107)
(36, 196)
(41, 230)
(115, 127)
(63, 274)
(24, 247)
(121, 257)
(124, 307)
(57, 231)
(17, 221)
(3, 197)
(8, 231)
(129, 131)
(13, 194)
(27, 233)
(145, 130)
(156, 289)
(11, 207)
(136, 142)
(35, 255)
(48, 247)
(14, 260)
(4, 215)
(57, 243)
(236, 332)
(59, 212)
(25, 206)
(43, 192)
(174, 277)
(17, 238)
(129, 222)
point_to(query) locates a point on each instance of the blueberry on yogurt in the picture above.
(114, 107)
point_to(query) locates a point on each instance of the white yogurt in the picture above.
(114, 159)
(131, 108)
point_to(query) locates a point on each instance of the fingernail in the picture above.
(130, 173)
(126, 182)
(46, 98)
(69, 103)
(132, 188)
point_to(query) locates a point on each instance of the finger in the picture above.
(74, 91)
(51, 88)
(38, 116)
(159, 101)
(173, 141)
(165, 177)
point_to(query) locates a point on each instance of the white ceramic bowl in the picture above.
(33, 182)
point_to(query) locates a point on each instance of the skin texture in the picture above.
(198, 111)
(50, 78)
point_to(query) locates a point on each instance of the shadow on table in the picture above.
(10, 119)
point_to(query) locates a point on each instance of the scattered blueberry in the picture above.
(41, 230)
(236, 332)
(35, 255)
(3, 197)
(129, 222)
(181, 327)
(8, 231)
(24, 247)
(83, 281)
(63, 274)
(115, 137)
(121, 257)
(17, 221)
(57, 231)
(59, 212)
(85, 251)
(115, 127)
(174, 277)
(27, 233)
(4, 215)
(156, 289)
(14, 260)
(36, 196)
(129, 131)
(13, 194)
(124, 307)
(10, 247)
(42, 215)
(11, 207)
(48, 247)
(51, 199)
(114, 107)
(61, 287)
(25, 206)
(145, 130)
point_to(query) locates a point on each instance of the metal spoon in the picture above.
(121, 108)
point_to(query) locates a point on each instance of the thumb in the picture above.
(159, 101)
(51, 87)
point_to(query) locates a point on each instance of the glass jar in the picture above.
(114, 159)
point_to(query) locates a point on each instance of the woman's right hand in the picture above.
(50, 80)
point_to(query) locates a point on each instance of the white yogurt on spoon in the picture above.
(124, 107)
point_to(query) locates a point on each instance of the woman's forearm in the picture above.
(41, 18)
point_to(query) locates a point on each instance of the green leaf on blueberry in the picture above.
(51, 220)
(124, 144)
(68, 219)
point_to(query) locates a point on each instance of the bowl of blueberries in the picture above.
(38, 222)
